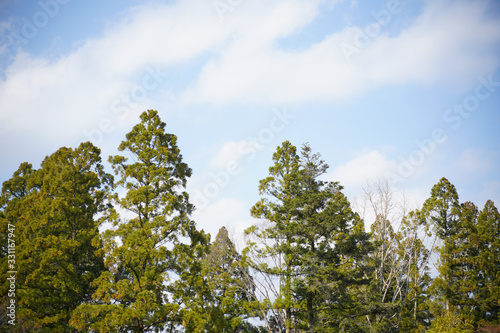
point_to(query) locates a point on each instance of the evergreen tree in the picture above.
(13, 215)
(462, 267)
(279, 188)
(333, 251)
(225, 298)
(145, 251)
(459, 289)
(442, 210)
(319, 241)
(487, 263)
(54, 210)
(451, 322)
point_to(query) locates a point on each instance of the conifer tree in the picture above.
(487, 265)
(13, 215)
(54, 210)
(442, 210)
(465, 290)
(462, 267)
(279, 189)
(224, 297)
(153, 241)
(319, 241)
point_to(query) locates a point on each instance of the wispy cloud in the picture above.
(450, 42)
(370, 165)
(238, 60)
(249, 67)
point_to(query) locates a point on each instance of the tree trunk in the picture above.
(310, 313)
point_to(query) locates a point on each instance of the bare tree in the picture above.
(402, 254)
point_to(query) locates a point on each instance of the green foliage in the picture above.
(309, 265)
(222, 297)
(402, 276)
(145, 252)
(280, 187)
(487, 262)
(54, 212)
(469, 267)
(318, 241)
(451, 323)
(443, 209)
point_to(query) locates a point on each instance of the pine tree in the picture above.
(462, 266)
(334, 251)
(443, 209)
(146, 250)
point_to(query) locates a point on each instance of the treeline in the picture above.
(309, 265)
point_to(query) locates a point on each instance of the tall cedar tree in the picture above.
(474, 266)
(321, 241)
(12, 217)
(54, 211)
(466, 289)
(146, 250)
(279, 188)
(442, 210)
(222, 298)
(488, 264)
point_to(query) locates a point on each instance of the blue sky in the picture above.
(405, 90)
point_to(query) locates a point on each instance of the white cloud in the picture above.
(52, 99)
(369, 166)
(224, 165)
(433, 50)
(452, 42)
(79, 88)
(55, 100)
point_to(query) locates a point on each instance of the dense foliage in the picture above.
(95, 253)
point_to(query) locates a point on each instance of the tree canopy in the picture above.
(93, 252)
